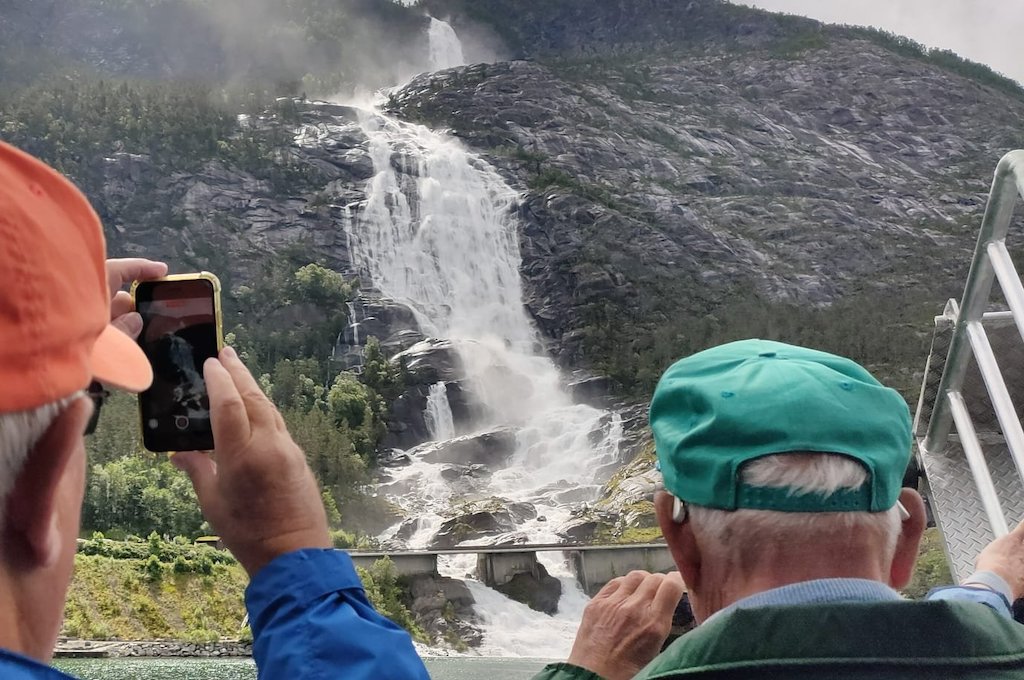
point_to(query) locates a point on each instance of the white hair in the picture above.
(743, 534)
(20, 431)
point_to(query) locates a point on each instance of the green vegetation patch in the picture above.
(932, 568)
(388, 593)
(119, 599)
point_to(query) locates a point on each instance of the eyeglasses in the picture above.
(98, 396)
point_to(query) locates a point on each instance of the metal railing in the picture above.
(991, 262)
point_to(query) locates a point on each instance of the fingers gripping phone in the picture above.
(181, 329)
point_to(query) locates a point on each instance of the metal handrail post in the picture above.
(976, 460)
(1009, 281)
(1013, 433)
(1006, 187)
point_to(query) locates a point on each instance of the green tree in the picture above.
(140, 494)
(342, 472)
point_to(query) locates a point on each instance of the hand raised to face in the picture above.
(626, 624)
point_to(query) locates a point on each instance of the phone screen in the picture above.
(179, 333)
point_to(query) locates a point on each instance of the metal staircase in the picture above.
(970, 443)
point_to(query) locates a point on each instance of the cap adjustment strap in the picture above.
(784, 499)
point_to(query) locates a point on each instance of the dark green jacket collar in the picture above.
(952, 639)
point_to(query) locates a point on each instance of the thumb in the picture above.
(201, 469)
(129, 323)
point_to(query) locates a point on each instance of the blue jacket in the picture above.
(310, 620)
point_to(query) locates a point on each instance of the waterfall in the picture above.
(438, 415)
(439, 235)
(445, 47)
(353, 321)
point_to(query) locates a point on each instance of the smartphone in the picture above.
(181, 329)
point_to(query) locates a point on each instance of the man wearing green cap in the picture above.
(784, 513)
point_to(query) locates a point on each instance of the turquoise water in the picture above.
(441, 668)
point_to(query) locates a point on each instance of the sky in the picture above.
(986, 31)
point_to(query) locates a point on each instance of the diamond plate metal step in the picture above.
(947, 482)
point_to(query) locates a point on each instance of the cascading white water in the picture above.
(353, 322)
(445, 46)
(438, 415)
(440, 236)
(437, 233)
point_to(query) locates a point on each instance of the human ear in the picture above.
(901, 571)
(33, 507)
(682, 544)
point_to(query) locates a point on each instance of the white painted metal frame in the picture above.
(991, 262)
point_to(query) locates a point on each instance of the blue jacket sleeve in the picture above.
(310, 619)
(983, 596)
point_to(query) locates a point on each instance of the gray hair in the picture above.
(743, 534)
(20, 431)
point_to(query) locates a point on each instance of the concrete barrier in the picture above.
(593, 565)
(497, 569)
(596, 567)
(405, 563)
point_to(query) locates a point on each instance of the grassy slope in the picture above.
(131, 599)
(118, 598)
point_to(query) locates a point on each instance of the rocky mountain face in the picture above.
(654, 187)
(806, 179)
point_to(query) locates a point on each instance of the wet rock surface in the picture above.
(443, 607)
(490, 449)
(474, 520)
(539, 591)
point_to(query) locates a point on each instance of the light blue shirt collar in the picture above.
(819, 591)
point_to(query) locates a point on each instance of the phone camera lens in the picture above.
(181, 422)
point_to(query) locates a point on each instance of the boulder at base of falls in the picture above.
(454, 472)
(586, 525)
(594, 391)
(390, 321)
(478, 519)
(539, 591)
(408, 529)
(491, 449)
(443, 608)
(431, 361)
(406, 424)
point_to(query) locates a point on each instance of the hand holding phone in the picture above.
(181, 329)
(257, 491)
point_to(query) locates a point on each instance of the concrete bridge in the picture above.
(593, 565)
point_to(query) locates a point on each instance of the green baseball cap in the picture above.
(720, 408)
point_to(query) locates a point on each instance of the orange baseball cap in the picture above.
(55, 332)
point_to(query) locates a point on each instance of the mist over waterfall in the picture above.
(445, 47)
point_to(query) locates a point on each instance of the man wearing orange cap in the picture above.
(61, 331)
